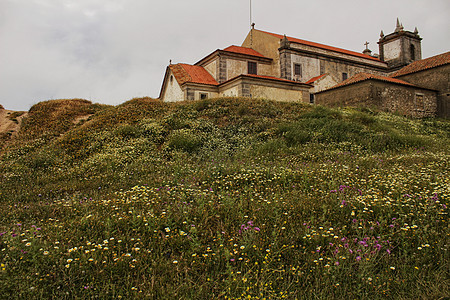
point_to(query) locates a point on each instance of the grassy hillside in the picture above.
(224, 198)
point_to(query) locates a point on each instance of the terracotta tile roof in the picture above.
(424, 64)
(243, 50)
(266, 77)
(312, 80)
(194, 74)
(321, 46)
(365, 76)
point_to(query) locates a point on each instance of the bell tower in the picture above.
(400, 48)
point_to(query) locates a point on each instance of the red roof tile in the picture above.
(265, 77)
(243, 50)
(321, 46)
(194, 74)
(365, 76)
(424, 64)
(315, 79)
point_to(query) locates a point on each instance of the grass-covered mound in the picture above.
(224, 198)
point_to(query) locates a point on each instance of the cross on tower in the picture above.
(367, 44)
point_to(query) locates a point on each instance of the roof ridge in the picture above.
(424, 64)
(187, 73)
(366, 76)
(323, 46)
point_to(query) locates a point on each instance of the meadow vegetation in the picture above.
(224, 199)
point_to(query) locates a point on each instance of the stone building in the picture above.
(381, 93)
(432, 73)
(231, 72)
(274, 66)
(420, 89)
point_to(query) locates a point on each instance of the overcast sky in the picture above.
(110, 51)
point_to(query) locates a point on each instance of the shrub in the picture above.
(128, 131)
(184, 140)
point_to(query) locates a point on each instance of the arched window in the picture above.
(413, 52)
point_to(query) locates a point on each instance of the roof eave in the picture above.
(163, 87)
(379, 80)
(267, 79)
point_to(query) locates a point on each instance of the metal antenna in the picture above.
(252, 26)
(251, 13)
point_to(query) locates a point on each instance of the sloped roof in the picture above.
(424, 64)
(314, 79)
(366, 76)
(272, 78)
(194, 74)
(243, 50)
(321, 46)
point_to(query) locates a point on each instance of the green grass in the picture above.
(224, 198)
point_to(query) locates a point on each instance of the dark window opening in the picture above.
(252, 68)
(297, 69)
(171, 78)
(344, 76)
(413, 52)
(420, 105)
(311, 98)
(203, 96)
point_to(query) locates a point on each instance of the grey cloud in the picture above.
(113, 50)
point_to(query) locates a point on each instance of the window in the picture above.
(298, 70)
(344, 76)
(420, 105)
(412, 49)
(311, 98)
(203, 96)
(171, 78)
(252, 68)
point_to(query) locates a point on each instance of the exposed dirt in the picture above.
(9, 123)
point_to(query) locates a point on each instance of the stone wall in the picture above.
(409, 101)
(236, 67)
(265, 88)
(212, 68)
(267, 45)
(173, 91)
(436, 79)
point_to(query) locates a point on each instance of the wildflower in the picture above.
(358, 258)
(175, 261)
(46, 253)
(392, 268)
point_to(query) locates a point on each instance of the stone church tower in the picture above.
(400, 48)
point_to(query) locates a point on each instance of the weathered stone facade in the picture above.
(400, 48)
(283, 68)
(437, 79)
(406, 100)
